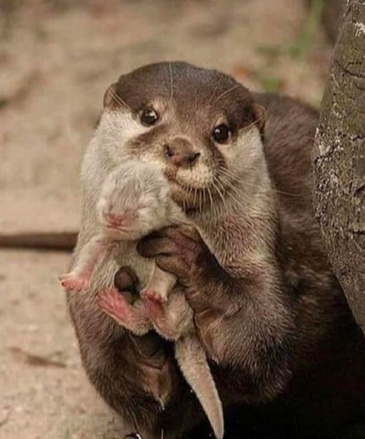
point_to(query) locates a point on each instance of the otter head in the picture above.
(200, 127)
(134, 201)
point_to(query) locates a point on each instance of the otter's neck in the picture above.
(245, 224)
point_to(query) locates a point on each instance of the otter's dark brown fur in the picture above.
(285, 351)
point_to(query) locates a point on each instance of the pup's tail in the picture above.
(194, 366)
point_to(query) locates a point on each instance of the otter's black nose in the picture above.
(180, 153)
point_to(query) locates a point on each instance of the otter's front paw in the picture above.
(179, 251)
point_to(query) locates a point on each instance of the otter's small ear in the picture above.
(109, 96)
(260, 115)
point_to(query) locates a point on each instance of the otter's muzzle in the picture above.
(180, 153)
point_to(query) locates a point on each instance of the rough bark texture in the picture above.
(339, 160)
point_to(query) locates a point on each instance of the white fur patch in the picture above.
(115, 130)
(246, 152)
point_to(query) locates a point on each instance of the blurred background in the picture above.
(57, 57)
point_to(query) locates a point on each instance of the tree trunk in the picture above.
(339, 160)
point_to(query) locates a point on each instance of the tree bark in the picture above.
(339, 160)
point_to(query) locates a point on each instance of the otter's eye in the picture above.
(221, 133)
(149, 116)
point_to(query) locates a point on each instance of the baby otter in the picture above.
(268, 310)
(134, 202)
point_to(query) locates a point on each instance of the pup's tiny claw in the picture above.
(74, 282)
(153, 296)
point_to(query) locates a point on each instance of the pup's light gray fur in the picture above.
(139, 193)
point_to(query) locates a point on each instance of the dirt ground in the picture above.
(56, 61)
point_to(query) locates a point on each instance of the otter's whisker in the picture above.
(236, 178)
(226, 92)
(231, 185)
(120, 100)
(248, 127)
(212, 204)
(212, 96)
(171, 81)
(204, 200)
(190, 191)
(235, 194)
(194, 197)
(216, 184)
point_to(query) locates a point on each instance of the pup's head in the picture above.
(200, 127)
(134, 201)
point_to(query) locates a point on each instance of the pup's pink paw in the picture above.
(114, 304)
(153, 296)
(72, 281)
(130, 317)
(155, 309)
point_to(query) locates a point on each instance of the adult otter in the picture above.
(268, 310)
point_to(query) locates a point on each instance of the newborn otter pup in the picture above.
(135, 201)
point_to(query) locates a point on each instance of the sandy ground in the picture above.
(56, 60)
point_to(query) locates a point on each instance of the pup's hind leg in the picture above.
(132, 317)
(159, 285)
(170, 319)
